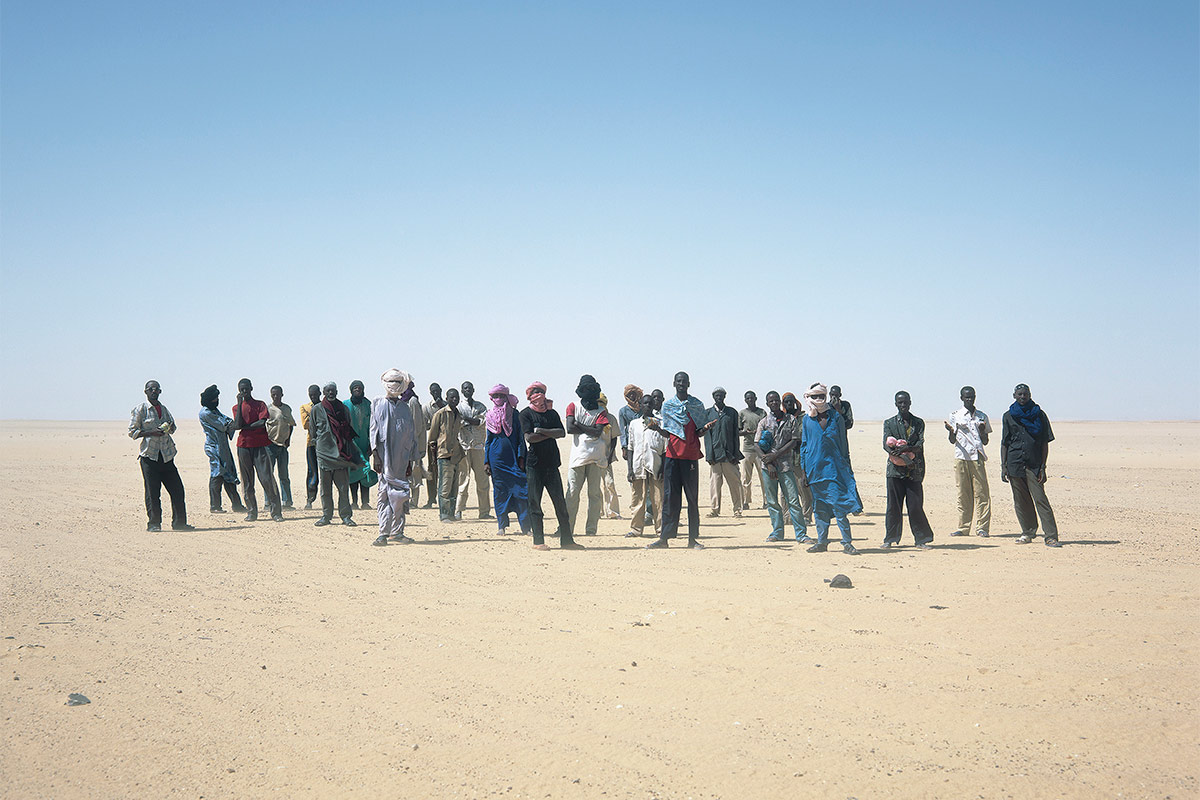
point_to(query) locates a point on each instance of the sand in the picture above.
(283, 660)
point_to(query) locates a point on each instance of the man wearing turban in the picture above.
(394, 448)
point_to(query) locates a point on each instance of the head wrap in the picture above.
(536, 395)
(603, 399)
(588, 388)
(395, 382)
(588, 391)
(816, 407)
(331, 384)
(633, 396)
(209, 397)
(784, 400)
(499, 417)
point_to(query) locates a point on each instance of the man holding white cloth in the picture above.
(968, 428)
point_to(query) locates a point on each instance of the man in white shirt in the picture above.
(968, 428)
(646, 448)
(472, 436)
(152, 424)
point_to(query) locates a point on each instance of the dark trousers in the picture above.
(155, 475)
(431, 476)
(312, 481)
(341, 479)
(1030, 502)
(549, 479)
(214, 494)
(252, 461)
(681, 477)
(901, 492)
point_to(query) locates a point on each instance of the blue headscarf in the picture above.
(1029, 416)
(676, 413)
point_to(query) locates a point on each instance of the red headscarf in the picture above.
(536, 395)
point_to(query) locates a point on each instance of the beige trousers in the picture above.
(612, 504)
(644, 488)
(973, 495)
(721, 472)
(752, 465)
(473, 464)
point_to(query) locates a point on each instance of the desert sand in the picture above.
(282, 660)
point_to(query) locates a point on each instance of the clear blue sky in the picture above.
(881, 195)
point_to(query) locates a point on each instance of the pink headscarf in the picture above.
(536, 395)
(499, 416)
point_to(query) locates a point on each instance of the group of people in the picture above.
(798, 447)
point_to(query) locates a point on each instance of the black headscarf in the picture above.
(588, 391)
(209, 397)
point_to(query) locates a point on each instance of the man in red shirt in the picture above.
(250, 420)
(684, 420)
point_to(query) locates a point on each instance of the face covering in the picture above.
(816, 407)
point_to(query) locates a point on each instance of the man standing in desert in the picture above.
(472, 435)
(152, 424)
(279, 430)
(685, 420)
(394, 448)
(748, 419)
(250, 420)
(542, 428)
(1024, 449)
(722, 450)
(312, 480)
(586, 422)
(904, 442)
(444, 440)
(646, 448)
(431, 464)
(968, 429)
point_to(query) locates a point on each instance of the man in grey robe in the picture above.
(394, 448)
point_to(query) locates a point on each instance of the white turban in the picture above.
(816, 407)
(395, 382)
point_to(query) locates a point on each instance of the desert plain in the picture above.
(282, 660)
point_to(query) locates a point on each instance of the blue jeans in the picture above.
(822, 511)
(279, 457)
(791, 495)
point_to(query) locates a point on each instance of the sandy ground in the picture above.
(279, 659)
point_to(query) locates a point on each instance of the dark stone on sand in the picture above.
(74, 699)
(840, 581)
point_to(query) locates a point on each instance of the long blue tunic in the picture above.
(218, 430)
(825, 454)
(510, 489)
